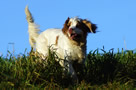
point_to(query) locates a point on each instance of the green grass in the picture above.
(106, 70)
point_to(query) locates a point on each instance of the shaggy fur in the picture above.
(69, 42)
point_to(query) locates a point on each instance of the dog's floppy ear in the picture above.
(66, 22)
(65, 27)
(92, 27)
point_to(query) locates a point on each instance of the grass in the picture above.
(106, 70)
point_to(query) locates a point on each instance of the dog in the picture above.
(69, 42)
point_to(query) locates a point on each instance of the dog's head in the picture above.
(77, 29)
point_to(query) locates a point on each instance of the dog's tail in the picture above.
(32, 28)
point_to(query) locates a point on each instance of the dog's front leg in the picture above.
(72, 72)
(69, 68)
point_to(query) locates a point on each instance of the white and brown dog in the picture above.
(69, 42)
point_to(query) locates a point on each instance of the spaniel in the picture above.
(69, 42)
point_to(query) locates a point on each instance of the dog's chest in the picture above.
(66, 50)
(75, 53)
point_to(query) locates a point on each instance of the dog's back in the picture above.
(48, 38)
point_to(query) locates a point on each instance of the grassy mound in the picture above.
(106, 70)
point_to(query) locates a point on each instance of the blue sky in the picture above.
(116, 21)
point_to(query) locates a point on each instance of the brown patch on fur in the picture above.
(65, 27)
(65, 30)
(85, 30)
(91, 27)
(56, 42)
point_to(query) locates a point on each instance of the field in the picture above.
(105, 70)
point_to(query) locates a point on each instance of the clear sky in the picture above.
(116, 21)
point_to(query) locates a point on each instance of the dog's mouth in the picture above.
(74, 36)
